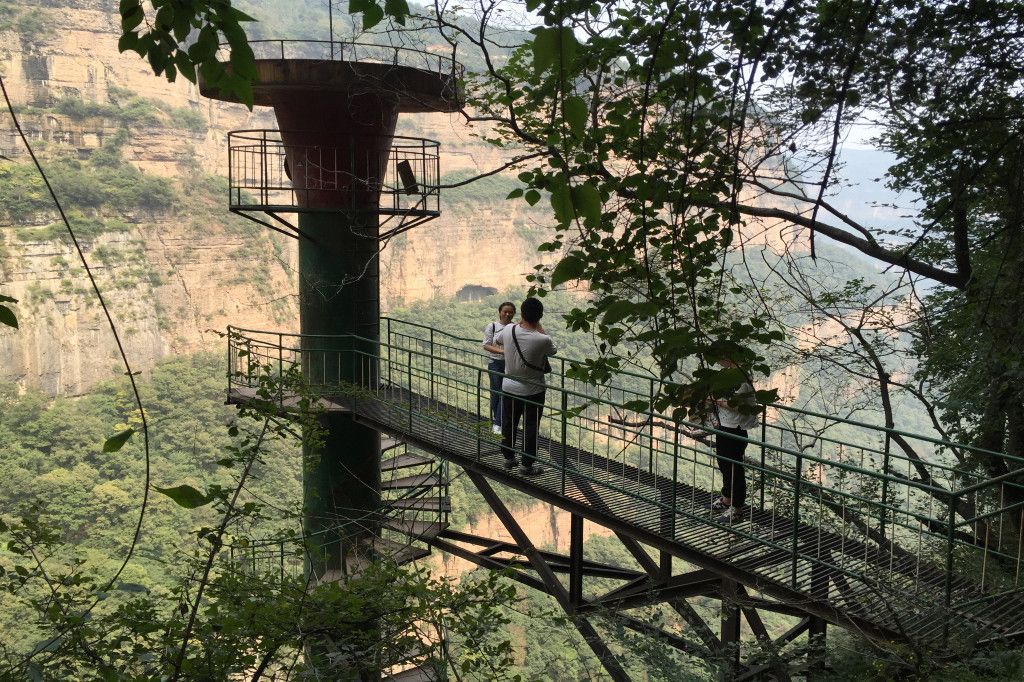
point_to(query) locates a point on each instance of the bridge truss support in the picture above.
(564, 577)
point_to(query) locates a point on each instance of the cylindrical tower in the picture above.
(329, 164)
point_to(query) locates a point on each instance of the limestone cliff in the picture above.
(174, 277)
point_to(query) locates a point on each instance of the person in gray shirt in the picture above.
(496, 358)
(527, 348)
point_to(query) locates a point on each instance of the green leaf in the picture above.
(532, 197)
(129, 41)
(117, 441)
(571, 267)
(372, 12)
(636, 405)
(586, 200)
(51, 644)
(132, 14)
(397, 9)
(239, 15)
(132, 587)
(553, 45)
(561, 202)
(185, 496)
(617, 311)
(185, 66)
(7, 317)
(576, 115)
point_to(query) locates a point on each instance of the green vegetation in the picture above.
(28, 22)
(492, 189)
(72, 507)
(103, 184)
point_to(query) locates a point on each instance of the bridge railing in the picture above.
(830, 493)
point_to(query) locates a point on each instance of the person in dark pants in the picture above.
(527, 348)
(496, 358)
(733, 420)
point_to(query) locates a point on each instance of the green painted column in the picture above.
(337, 143)
(339, 295)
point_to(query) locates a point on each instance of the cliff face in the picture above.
(174, 277)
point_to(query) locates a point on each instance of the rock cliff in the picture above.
(176, 276)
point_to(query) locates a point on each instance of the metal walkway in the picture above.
(872, 529)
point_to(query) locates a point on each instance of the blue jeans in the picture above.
(496, 366)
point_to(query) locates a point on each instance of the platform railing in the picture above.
(854, 505)
(353, 51)
(405, 175)
(294, 555)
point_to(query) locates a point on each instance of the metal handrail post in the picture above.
(565, 434)
(280, 371)
(764, 437)
(230, 369)
(796, 512)
(885, 486)
(650, 427)
(408, 369)
(954, 502)
(675, 475)
(389, 348)
(264, 179)
(479, 391)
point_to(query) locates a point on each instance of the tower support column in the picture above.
(339, 299)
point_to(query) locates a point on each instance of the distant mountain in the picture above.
(864, 196)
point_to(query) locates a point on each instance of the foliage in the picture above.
(7, 316)
(104, 183)
(27, 21)
(131, 110)
(160, 36)
(211, 618)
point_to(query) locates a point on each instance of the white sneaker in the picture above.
(496, 429)
(734, 515)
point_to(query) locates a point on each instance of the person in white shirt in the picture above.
(496, 358)
(527, 348)
(733, 419)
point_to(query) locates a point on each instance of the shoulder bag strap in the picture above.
(526, 362)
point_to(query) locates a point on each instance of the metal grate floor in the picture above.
(850, 578)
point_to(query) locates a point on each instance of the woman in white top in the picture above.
(496, 358)
(733, 419)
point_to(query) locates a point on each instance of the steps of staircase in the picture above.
(416, 481)
(416, 674)
(404, 461)
(416, 529)
(422, 503)
(399, 552)
(389, 444)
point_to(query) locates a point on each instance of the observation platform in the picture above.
(419, 81)
(394, 177)
(872, 529)
(337, 105)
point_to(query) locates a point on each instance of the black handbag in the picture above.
(547, 365)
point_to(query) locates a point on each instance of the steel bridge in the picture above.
(876, 530)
